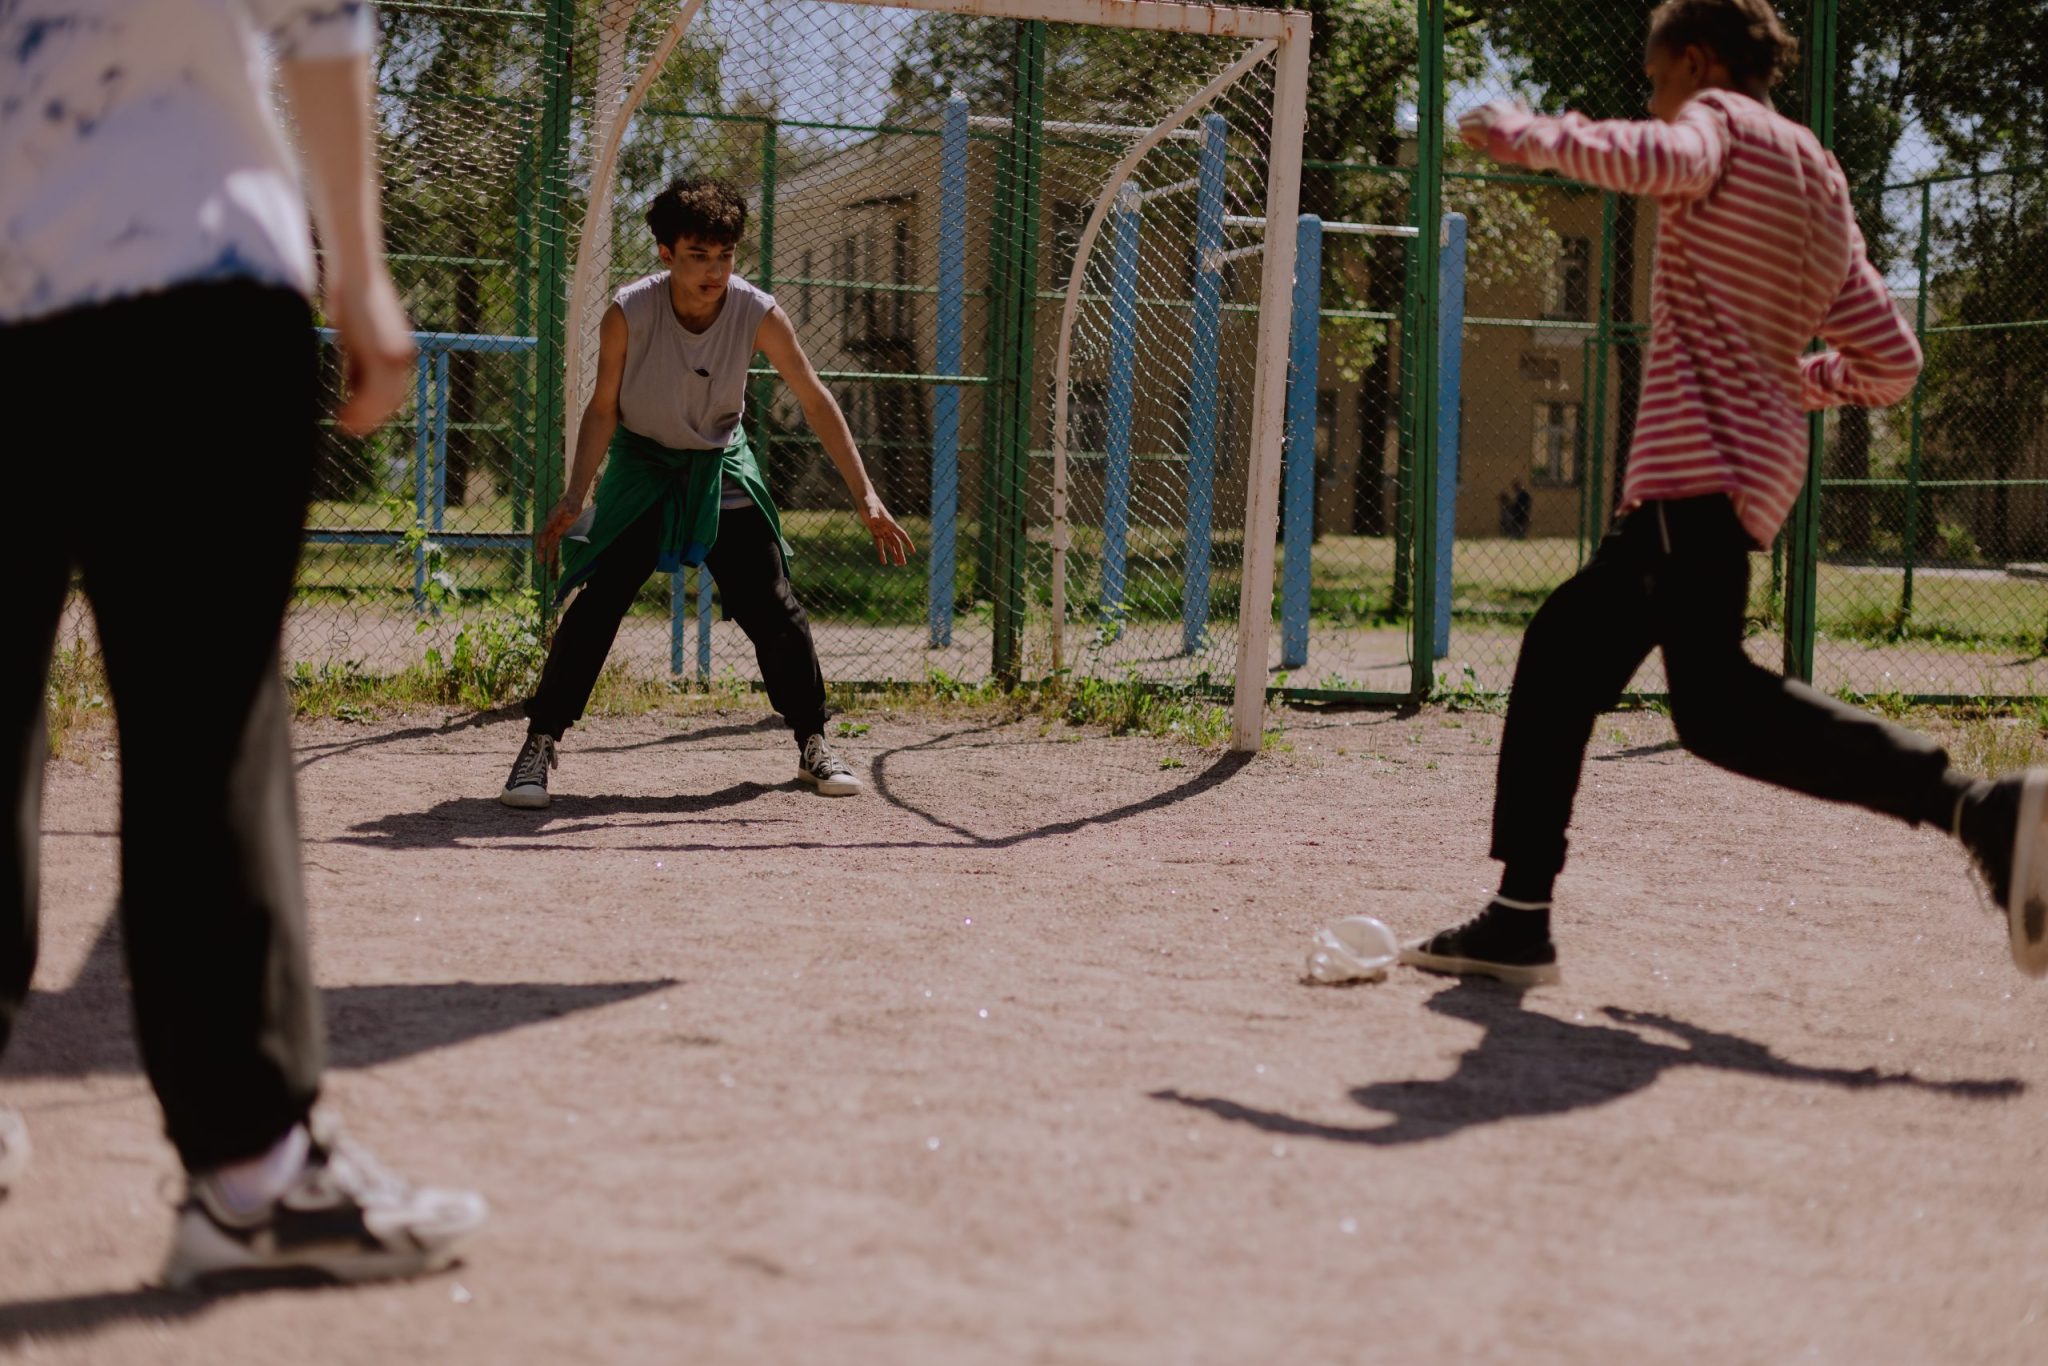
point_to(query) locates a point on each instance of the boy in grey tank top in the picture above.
(681, 486)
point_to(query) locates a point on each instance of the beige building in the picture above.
(870, 215)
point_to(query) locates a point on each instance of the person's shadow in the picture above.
(1528, 1064)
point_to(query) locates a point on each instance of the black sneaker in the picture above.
(527, 788)
(2002, 826)
(344, 1219)
(1495, 943)
(824, 770)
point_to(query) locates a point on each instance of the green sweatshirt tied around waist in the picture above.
(687, 486)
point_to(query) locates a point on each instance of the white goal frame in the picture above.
(1284, 34)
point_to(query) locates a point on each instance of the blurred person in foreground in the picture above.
(155, 268)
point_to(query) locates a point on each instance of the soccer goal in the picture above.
(1024, 242)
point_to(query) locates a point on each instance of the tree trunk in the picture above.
(1845, 512)
(463, 398)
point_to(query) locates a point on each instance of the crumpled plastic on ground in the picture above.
(1356, 949)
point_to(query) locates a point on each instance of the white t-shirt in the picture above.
(139, 148)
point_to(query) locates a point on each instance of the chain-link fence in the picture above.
(1914, 566)
(920, 185)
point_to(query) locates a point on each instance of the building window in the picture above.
(1069, 220)
(901, 276)
(1326, 430)
(849, 297)
(1554, 458)
(1571, 281)
(1088, 416)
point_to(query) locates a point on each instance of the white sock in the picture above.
(249, 1186)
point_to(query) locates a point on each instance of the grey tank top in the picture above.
(687, 389)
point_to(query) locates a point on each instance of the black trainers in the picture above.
(344, 1219)
(824, 770)
(2002, 826)
(527, 788)
(1498, 942)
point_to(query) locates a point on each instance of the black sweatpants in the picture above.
(746, 564)
(164, 452)
(1675, 576)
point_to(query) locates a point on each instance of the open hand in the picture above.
(892, 542)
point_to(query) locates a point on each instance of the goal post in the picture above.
(952, 251)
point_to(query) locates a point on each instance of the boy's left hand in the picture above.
(892, 542)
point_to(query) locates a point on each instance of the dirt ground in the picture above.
(1008, 1060)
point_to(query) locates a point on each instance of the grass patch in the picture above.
(74, 696)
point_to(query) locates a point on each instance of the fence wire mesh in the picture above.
(919, 184)
(1933, 518)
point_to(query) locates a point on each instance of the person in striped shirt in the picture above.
(1757, 253)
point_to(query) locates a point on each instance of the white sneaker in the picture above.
(14, 1148)
(343, 1218)
(826, 771)
(527, 788)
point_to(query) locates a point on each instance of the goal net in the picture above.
(1024, 243)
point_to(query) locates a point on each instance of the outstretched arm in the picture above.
(593, 433)
(777, 340)
(1874, 358)
(1681, 159)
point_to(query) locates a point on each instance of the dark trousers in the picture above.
(1675, 576)
(166, 458)
(746, 564)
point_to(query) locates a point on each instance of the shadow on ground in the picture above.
(75, 1316)
(85, 1030)
(458, 820)
(1527, 1064)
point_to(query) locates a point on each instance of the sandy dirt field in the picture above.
(1009, 1060)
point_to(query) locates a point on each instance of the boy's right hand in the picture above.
(377, 350)
(548, 540)
(1475, 126)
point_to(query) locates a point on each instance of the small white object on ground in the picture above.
(1357, 949)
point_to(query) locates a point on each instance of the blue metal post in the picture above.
(1298, 489)
(422, 444)
(1450, 353)
(1125, 224)
(1206, 345)
(440, 456)
(703, 624)
(676, 598)
(946, 398)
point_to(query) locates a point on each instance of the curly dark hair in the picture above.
(1745, 34)
(704, 210)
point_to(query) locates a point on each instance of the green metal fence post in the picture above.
(1013, 452)
(1401, 600)
(523, 429)
(551, 217)
(1802, 544)
(1426, 212)
(1912, 544)
(762, 392)
(1595, 477)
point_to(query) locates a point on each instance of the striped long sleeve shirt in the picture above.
(1758, 252)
